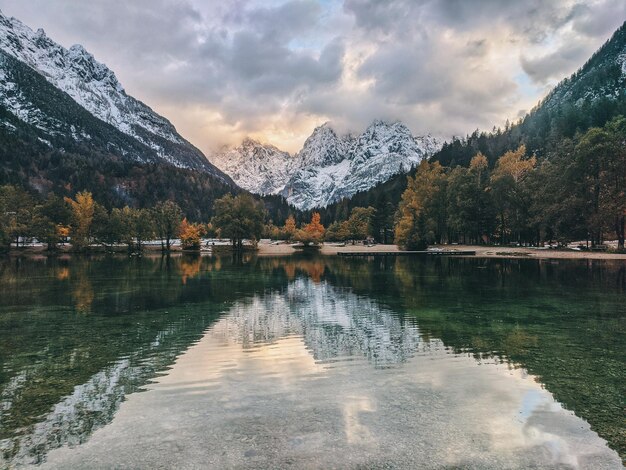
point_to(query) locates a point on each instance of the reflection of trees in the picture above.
(62, 374)
(82, 290)
(62, 273)
(189, 266)
(313, 267)
(563, 321)
(93, 403)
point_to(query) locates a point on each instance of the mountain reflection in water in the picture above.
(312, 361)
(334, 323)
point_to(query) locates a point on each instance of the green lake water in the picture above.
(312, 362)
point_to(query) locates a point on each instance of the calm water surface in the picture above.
(312, 362)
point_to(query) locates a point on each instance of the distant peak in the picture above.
(79, 50)
(324, 127)
(323, 131)
(250, 142)
(385, 123)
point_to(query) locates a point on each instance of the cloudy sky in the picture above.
(274, 69)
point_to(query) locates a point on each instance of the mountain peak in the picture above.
(249, 142)
(323, 147)
(326, 125)
(386, 123)
(79, 50)
(328, 167)
(262, 168)
(323, 129)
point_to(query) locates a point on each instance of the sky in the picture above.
(275, 69)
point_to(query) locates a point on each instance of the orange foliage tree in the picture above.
(190, 235)
(313, 232)
(290, 228)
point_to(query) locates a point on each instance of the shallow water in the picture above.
(312, 362)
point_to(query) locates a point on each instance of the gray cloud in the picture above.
(551, 66)
(275, 68)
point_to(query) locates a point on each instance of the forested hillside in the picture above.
(574, 138)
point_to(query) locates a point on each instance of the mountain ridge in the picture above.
(329, 166)
(50, 143)
(96, 88)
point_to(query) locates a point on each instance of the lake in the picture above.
(312, 362)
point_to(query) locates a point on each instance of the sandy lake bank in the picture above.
(267, 248)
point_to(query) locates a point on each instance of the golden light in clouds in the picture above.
(210, 132)
(223, 71)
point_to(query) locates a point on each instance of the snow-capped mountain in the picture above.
(324, 148)
(95, 88)
(261, 169)
(330, 166)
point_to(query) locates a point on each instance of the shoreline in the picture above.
(268, 248)
(332, 249)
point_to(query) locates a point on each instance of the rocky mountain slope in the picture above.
(93, 87)
(261, 169)
(329, 166)
(602, 78)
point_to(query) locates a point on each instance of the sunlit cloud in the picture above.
(273, 70)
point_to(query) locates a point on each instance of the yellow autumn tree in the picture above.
(190, 235)
(63, 232)
(514, 165)
(509, 194)
(413, 222)
(83, 208)
(479, 165)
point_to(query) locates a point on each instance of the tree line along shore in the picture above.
(578, 193)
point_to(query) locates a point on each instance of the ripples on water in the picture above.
(307, 363)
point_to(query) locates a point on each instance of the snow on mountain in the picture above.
(18, 104)
(601, 79)
(95, 87)
(324, 148)
(261, 169)
(329, 167)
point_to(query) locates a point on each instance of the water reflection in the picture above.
(335, 323)
(313, 375)
(310, 355)
(91, 404)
